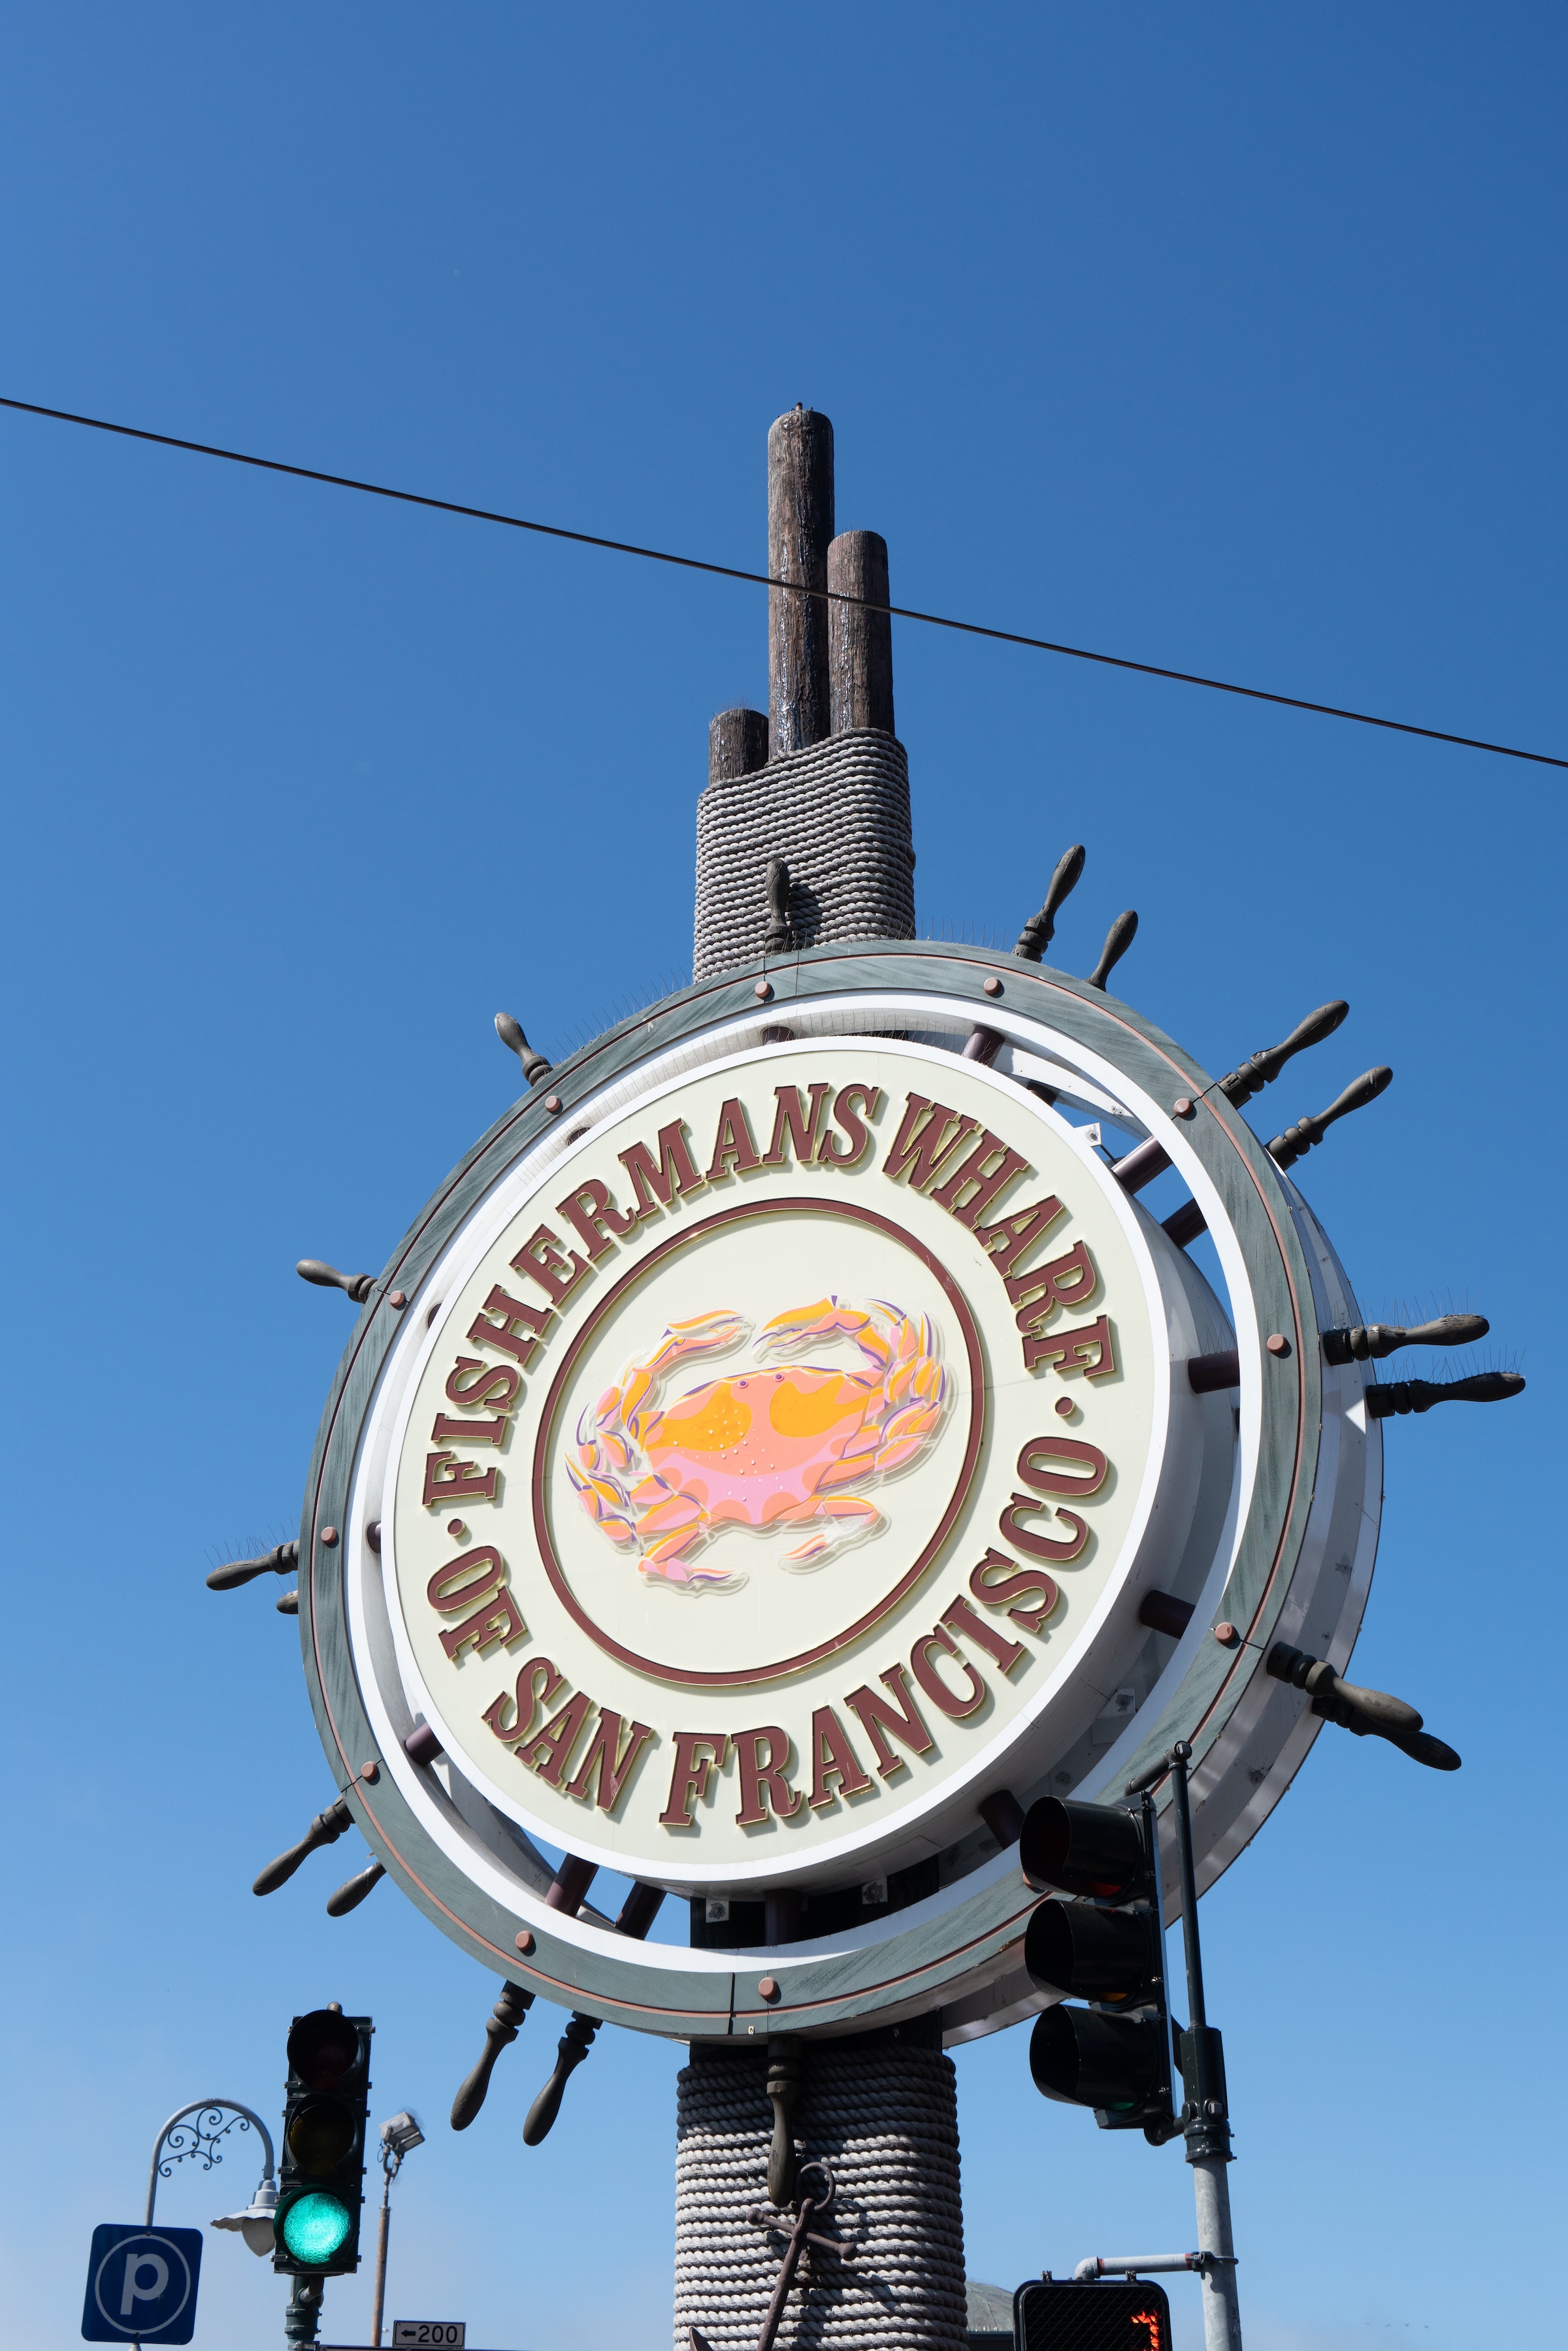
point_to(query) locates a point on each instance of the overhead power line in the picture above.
(790, 587)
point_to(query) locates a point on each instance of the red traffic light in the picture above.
(324, 2049)
(1095, 1850)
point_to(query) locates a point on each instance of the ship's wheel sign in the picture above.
(790, 1446)
(777, 1447)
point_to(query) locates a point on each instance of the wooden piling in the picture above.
(736, 745)
(800, 527)
(860, 643)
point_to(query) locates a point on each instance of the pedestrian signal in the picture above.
(1051, 2314)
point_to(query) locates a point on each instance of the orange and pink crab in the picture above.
(769, 1448)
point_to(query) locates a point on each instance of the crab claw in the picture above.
(826, 1319)
(906, 1435)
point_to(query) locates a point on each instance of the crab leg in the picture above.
(836, 1508)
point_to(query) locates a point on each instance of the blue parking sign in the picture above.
(141, 2285)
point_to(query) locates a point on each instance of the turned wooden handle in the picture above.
(501, 2028)
(325, 1829)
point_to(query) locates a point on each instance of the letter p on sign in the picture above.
(141, 2285)
(146, 2279)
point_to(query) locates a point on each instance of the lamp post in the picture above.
(196, 2130)
(398, 2137)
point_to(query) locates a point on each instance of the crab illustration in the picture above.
(768, 1448)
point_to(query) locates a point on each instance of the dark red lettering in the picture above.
(470, 1432)
(1090, 1350)
(543, 1259)
(615, 1756)
(699, 1754)
(1068, 1281)
(539, 1684)
(676, 1172)
(550, 1752)
(1028, 1594)
(1062, 1481)
(1031, 1540)
(929, 1132)
(904, 1721)
(448, 1595)
(733, 1146)
(596, 1218)
(857, 1135)
(463, 1482)
(791, 1118)
(476, 1385)
(1006, 1241)
(494, 1624)
(956, 1703)
(974, 1185)
(836, 1769)
(963, 1619)
(501, 1334)
(760, 1757)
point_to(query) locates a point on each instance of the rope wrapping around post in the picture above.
(883, 2114)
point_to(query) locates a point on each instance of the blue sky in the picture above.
(1229, 338)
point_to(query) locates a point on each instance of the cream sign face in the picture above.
(771, 1468)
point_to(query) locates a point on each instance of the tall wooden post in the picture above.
(799, 525)
(860, 641)
(822, 787)
(736, 745)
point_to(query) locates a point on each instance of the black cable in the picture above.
(790, 587)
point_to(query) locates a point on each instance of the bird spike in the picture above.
(284, 1561)
(501, 2029)
(326, 1277)
(1367, 1343)
(777, 937)
(510, 1031)
(1037, 935)
(1118, 939)
(353, 1890)
(570, 2050)
(1262, 1069)
(1297, 1140)
(325, 1829)
(1387, 1397)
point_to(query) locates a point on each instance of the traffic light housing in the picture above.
(1050, 2314)
(1105, 1946)
(321, 2170)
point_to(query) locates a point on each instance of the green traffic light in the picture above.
(316, 2226)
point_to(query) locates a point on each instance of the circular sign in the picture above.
(781, 1452)
(790, 1452)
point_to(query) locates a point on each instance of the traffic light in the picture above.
(1105, 1946)
(1050, 2314)
(316, 2229)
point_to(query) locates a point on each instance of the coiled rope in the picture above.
(884, 2118)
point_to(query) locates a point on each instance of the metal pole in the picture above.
(1205, 2114)
(391, 2164)
(302, 2318)
(378, 2302)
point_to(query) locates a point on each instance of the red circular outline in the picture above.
(812, 1204)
